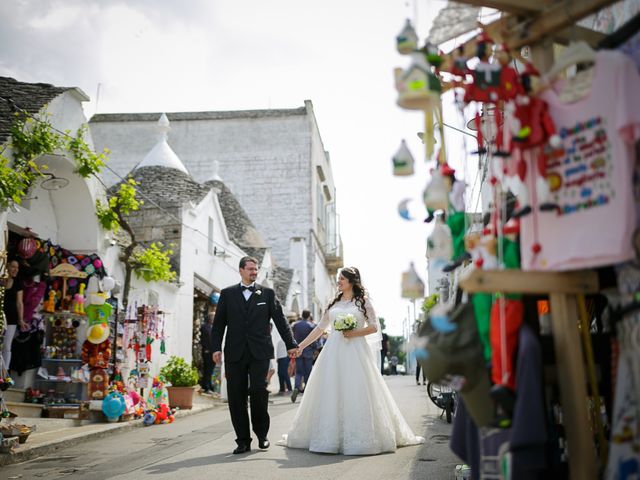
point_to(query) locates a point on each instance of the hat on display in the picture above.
(98, 333)
(113, 405)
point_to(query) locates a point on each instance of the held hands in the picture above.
(295, 352)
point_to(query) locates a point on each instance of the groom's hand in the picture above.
(217, 357)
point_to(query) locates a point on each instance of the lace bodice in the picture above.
(346, 307)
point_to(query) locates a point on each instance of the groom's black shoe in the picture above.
(242, 449)
(263, 443)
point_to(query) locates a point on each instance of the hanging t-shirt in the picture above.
(590, 175)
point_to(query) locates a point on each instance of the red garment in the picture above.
(513, 317)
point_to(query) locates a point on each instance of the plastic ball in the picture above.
(149, 418)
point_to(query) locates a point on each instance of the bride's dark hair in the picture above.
(352, 274)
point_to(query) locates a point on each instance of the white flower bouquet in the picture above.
(344, 322)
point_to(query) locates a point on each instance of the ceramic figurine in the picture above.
(403, 161)
(407, 39)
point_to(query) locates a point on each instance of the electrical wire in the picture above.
(138, 192)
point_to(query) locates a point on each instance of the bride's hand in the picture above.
(348, 333)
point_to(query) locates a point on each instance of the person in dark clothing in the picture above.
(383, 351)
(13, 309)
(207, 357)
(304, 363)
(424, 377)
(245, 311)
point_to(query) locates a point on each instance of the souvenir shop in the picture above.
(74, 354)
(539, 336)
(60, 349)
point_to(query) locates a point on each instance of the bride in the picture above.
(347, 407)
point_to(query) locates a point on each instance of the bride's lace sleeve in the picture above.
(325, 322)
(372, 318)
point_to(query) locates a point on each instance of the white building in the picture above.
(188, 217)
(273, 161)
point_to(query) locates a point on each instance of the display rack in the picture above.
(563, 289)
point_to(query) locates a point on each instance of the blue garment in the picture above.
(301, 329)
(304, 362)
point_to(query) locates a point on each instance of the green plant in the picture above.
(87, 161)
(430, 302)
(179, 373)
(32, 138)
(152, 264)
(120, 204)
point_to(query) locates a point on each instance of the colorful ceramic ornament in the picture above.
(403, 161)
(403, 209)
(419, 89)
(412, 284)
(407, 39)
(439, 243)
(436, 194)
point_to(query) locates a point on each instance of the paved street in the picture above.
(199, 446)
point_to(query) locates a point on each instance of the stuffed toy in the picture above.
(78, 300)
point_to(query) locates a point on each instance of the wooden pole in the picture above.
(573, 389)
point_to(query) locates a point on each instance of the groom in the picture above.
(245, 311)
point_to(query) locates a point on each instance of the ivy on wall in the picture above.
(30, 139)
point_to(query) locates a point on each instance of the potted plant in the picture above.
(183, 379)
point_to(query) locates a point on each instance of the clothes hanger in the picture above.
(575, 53)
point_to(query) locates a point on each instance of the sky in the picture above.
(199, 55)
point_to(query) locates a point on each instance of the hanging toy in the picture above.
(439, 244)
(403, 161)
(412, 285)
(419, 89)
(407, 39)
(436, 194)
(532, 130)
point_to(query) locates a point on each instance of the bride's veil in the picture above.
(374, 340)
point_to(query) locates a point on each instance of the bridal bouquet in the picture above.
(344, 322)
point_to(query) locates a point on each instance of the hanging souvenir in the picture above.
(436, 194)
(407, 39)
(439, 243)
(403, 209)
(412, 284)
(403, 161)
(419, 89)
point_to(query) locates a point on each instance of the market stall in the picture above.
(544, 286)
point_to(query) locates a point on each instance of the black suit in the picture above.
(247, 352)
(207, 358)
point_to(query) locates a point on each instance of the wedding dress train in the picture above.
(347, 407)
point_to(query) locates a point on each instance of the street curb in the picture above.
(25, 452)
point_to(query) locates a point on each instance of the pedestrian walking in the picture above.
(304, 363)
(245, 311)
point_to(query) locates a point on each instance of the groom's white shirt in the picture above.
(247, 293)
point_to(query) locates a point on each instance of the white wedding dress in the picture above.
(347, 407)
